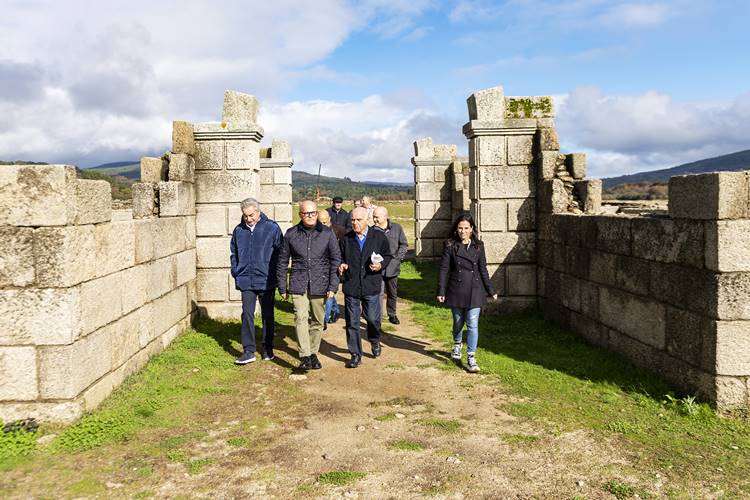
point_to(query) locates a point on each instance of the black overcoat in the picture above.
(359, 280)
(464, 280)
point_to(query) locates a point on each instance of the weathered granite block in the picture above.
(213, 252)
(181, 167)
(424, 247)
(136, 293)
(506, 182)
(545, 226)
(493, 215)
(143, 240)
(162, 277)
(115, 246)
(240, 110)
(545, 252)
(29, 192)
(520, 149)
(552, 197)
(93, 201)
(282, 175)
(642, 354)
(522, 215)
(211, 220)
(521, 279)
(176, 198)
(94, 295)
(18, 373)
(183, 140)
(507, 248)
(145, 200)
(684, 334)
(185, 266)
(280, 149)
(283, 212)
(424, 173)
(731, 393)
(567, 229)
(487, 105)
(424, 148)
(613, 234)
(547, 139)
(577, 263)
(711, 196)
(433, 192)
(435, 228)
(642, 319)
(153, 170)
(590, 194)
(433, 210)
(576, 164)
(570, 292)
(593, 331)
(169, 310)
(170, 235)
(497, 275)
(65, 371)
(221, 310)
(685, 287)
(64, 256)
(242, 155)
(489, 150)
(17, 251)
(554, 312)
(728, 245)
(589, 299)
(668, 240)
(190, 229)
(275, 192)
(546, 164)
(440, 172)
(226, 187)
(733, 301)
(726, 347)
(588, 232)
(125, 337)
(26, 316)
(266, 174)
(209, 155)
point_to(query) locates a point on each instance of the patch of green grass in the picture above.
(405, 445)
(86, 486)
(618, 489)
(239, 442)
(519, 438)
(446, 425)
(177, 456)
(386, 418)
(567, 384)
(340, 477)
(196, 465)
(14, 444)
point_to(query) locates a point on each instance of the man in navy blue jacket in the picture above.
(254, 253)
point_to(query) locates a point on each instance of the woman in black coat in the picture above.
(464, 285)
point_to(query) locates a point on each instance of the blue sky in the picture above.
(638, 85)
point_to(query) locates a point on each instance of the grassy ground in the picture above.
(567, 384)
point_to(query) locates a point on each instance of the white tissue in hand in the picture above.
(376, 258)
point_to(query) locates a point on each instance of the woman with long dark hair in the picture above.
(464, 285)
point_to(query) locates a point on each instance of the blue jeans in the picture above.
(247, 330)
(332, 307)
(463, 315)
(372, 309)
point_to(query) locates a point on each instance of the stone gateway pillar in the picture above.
(227, 170)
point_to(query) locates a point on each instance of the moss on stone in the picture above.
(526, 107)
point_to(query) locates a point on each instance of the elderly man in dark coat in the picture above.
(315, 256)
(253, 253)
(364, 254)
(397, 241)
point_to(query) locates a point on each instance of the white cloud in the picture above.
(368, 139)
(637, 15)
(626, 134)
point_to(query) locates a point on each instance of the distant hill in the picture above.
(23, 162)
(734, 161)
(128, 169)
(303, 186)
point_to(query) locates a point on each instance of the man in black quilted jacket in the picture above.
(315, 256)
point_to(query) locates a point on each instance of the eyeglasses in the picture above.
(308, 214)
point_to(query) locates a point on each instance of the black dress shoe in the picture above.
(376, 349)
(315, 362)
(394, 319)
(304, 363)
(354, 362)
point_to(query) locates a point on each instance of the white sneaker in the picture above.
(471, 361)
(456, 354)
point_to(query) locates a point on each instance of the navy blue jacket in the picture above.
(255, 254)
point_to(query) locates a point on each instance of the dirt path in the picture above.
(404, 425)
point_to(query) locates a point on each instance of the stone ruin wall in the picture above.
(672, 294)
(88, 295)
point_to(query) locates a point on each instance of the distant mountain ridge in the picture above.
(730, 162)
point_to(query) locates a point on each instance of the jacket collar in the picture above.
(318, 226)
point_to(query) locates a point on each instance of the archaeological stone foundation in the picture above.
(88, 294)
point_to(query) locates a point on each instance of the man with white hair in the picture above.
(398, 244)
(253, 254)
(367, 204)
(364, 254)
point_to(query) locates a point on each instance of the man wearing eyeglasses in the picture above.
(253, 254)
(313, 278)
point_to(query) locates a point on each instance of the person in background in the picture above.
(253, 255)
(398, 244)
(332, 311)
(364, 255)
(339, 216)
(367, 204)
(464, 285)
(313, 278)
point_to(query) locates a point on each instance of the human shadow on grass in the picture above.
(528, 337)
